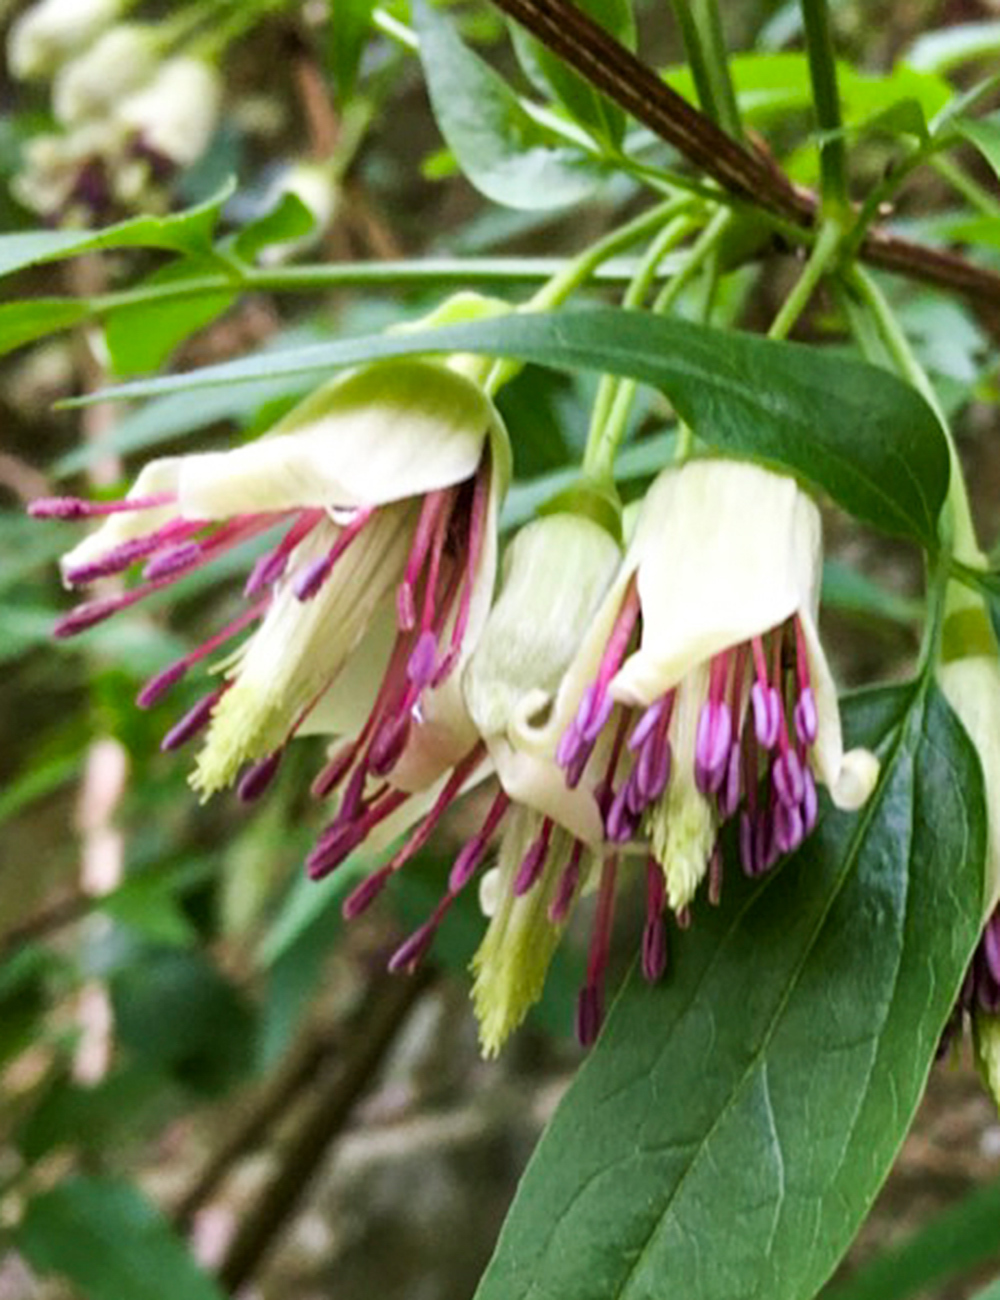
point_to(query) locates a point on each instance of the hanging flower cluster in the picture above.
(128, 116)
(628, 702)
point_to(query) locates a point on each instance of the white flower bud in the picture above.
(92, 84)
(175, 115)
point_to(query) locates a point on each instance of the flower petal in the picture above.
(376, 435)
(755, 545)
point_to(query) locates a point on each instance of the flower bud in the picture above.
(174, 116)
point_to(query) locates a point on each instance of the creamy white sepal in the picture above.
(48, 32)
(972, 688)
(393, 430)
(177, 112)
(92, 84)
(724, 551)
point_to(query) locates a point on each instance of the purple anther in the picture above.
(60, 508)
(786, 775)
(765, 846)
(731, 787)
(635, 801)
(654, 949)
(533, 861)
(266, 571)
(389, 743)
(336, 768)
(423, 658)
(175, 559)
(86, 616)
(594, 711)
(467, 863)
(114, 561)
(576, 767)
(588, 1015)
(407, 956)
(620, 824)
(350, 801)
(810, 802)
(646, 724)
(158, 686)
(191, 723)
(257, 778)
(310, 578)
(569, 746)
(747, 837)
(362, 897)
(566, 887)
(652, 769)
(805, 716)
(335, 848)
(766, 705)
(406, 606)
(789, 830)
(711, 751)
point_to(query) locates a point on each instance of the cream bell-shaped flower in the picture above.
(375, 502)
(705, 662)
(557, 572)
(172, 118)
(48, 33)
(116, 64)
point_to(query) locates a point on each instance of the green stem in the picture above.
(580, 269)
(976, 195)
(635, 296)
(966, 622)
(604, 440)
(824, 251)
(826, 100)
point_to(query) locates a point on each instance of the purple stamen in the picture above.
(362, 897)
(159, 685)
(310, 578)
(747, 850)
(789, 831)
(534, 860)
(467, 862)
(591, 720)
(588, 1015)
(806, 718)
(569, 746)
(409, 954)
(78, 508)
(647, 724)
(620, 824)
(174, 560)
(991, 946)
(123, 556)
(270, 567)
(652, 769)
(810, 802)
(420, 666)
(766, 714)
(389, 743)
(731, 787)
(714, 737)
(566, 888)
(427, 526)
(654, 935)
(192, 722)
(257, 778)
(786, 775)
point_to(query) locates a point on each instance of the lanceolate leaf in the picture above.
(731, 1127)
(851, 429)
(499, 146)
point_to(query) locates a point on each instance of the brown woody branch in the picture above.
(615, 71)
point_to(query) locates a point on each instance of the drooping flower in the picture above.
(377, 499)
(121, 60)
(706, 661)
(51, 31)
(557, 572)
(170, 120)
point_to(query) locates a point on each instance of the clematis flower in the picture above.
(705, 663)
(377, 497)
(172, 117)
(557, 572)
(53, 30)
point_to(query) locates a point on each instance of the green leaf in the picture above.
(287, 219)
(552, 76)
(500, 147)
(23, 322)
(849, 428)
(984, 133)
(90, 1117)
(181, 232)
(731, 1127)
(964, 1236)
(140, 336)
(350, 23)
(110, 1242)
